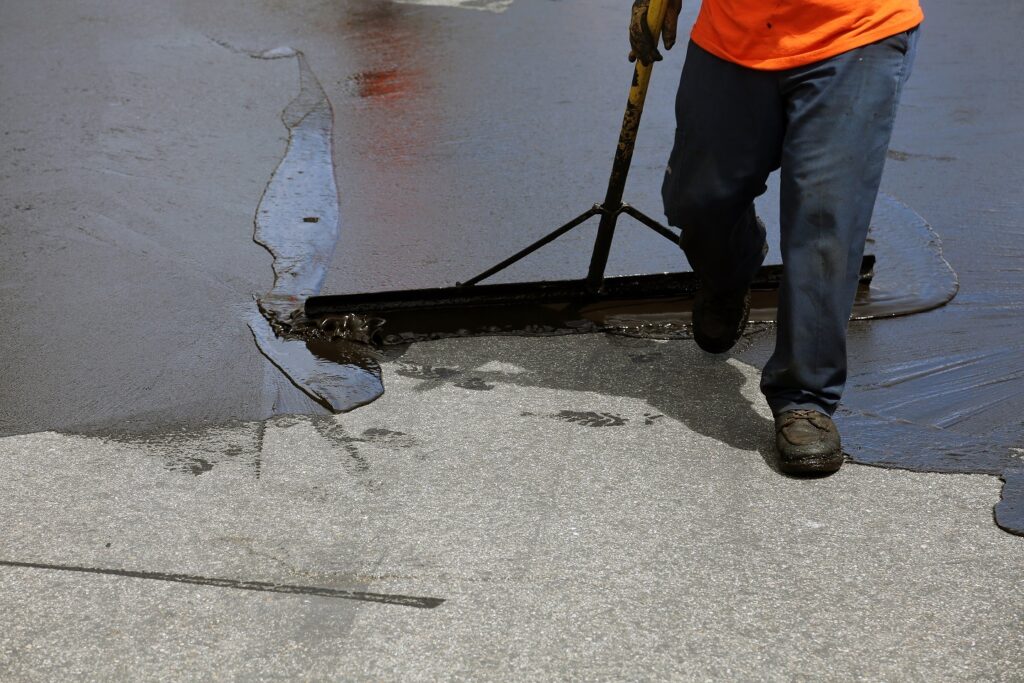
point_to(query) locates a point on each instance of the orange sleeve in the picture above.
(782, 34)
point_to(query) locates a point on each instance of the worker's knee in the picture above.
(700, 191)
(700, 205)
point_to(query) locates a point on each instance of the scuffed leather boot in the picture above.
(807, 442)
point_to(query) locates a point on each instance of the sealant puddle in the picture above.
(912, 276)
(297, 221)
(342, 375)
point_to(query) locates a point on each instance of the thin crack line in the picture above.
(260, 586)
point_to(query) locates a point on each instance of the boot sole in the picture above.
(715, 345)
(812, 465)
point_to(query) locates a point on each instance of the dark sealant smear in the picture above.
(1009, 511)
(911, 275)
(187, 449)
(261, 586)
(297, 222)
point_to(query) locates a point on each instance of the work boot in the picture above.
(719, 318)
(807, 442)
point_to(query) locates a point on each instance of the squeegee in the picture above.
(546, 306)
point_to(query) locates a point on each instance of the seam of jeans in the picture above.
(899, 84)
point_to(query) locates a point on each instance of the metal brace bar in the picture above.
(551, 237)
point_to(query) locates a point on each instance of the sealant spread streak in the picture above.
(297, 222)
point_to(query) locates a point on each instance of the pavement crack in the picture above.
(420, 602)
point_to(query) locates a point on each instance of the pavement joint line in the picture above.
(260, 586)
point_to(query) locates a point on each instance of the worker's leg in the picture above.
(728, 139)
(840, 116)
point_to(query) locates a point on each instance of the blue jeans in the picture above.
(827, 126)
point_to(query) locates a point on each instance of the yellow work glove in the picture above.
(643, 44)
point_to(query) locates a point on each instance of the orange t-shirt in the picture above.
(781, 34)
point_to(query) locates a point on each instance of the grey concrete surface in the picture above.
(582, 514)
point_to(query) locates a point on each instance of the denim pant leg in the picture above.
(729, 127)
(839, 118)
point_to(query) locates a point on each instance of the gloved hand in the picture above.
(644, 46)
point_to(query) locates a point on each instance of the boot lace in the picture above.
(812, 416)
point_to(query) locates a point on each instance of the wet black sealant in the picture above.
(1009, 511)
(297, 222)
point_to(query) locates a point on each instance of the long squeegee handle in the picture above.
(624, 153)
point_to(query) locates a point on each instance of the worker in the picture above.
(809, 87)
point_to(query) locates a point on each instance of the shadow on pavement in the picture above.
(708, 394)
